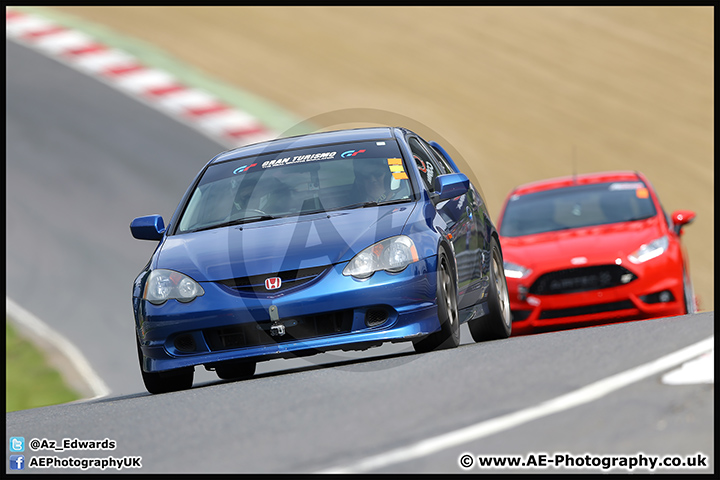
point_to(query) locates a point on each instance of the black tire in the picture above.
(497, 323)
(688, 294)
(168, 381)
(449, 334)
(235, 370)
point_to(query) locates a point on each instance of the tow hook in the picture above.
(277, 329)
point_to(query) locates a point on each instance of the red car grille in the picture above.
(583, 279)
(589, 310)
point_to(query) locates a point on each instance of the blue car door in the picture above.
(463, 217)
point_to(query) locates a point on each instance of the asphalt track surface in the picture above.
(83, 160)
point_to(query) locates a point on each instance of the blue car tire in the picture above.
(497, 324)
(449, 334)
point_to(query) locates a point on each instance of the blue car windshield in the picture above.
(297, 182)
(576, 207)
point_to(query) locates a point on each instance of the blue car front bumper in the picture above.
(332, 312)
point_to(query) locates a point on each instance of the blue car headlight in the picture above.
(163, 285)
(393, 255)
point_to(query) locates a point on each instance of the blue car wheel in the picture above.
(449, 334)
(497, 324)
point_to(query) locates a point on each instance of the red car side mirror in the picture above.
(681, 218)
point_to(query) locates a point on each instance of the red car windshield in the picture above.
(575, 207)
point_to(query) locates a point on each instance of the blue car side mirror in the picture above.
(149, 227)
(450, 185)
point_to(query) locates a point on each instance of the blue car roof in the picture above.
(307, 140)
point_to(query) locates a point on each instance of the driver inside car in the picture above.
(261, 197)
(372, 182)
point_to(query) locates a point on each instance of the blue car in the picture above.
(296, 246)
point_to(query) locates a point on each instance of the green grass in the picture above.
(30, 382)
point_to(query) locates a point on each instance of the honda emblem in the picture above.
(273, 283)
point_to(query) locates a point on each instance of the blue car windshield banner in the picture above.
(353, 151)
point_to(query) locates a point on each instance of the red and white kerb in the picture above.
(159, 89)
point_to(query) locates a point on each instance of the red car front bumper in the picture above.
(653, 293)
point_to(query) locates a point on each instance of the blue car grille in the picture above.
(297, 328)
(575, 280)
(256, 284)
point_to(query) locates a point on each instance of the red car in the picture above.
(592, 249)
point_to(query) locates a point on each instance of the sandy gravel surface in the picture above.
(518, 92)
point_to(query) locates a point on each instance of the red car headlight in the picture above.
(513, 270)
(650, 250)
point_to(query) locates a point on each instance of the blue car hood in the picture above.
(283, 244)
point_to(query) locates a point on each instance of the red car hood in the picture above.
(566, 248)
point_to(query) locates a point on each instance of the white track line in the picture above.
(700, 370)
(564, 402)
(37, 328)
